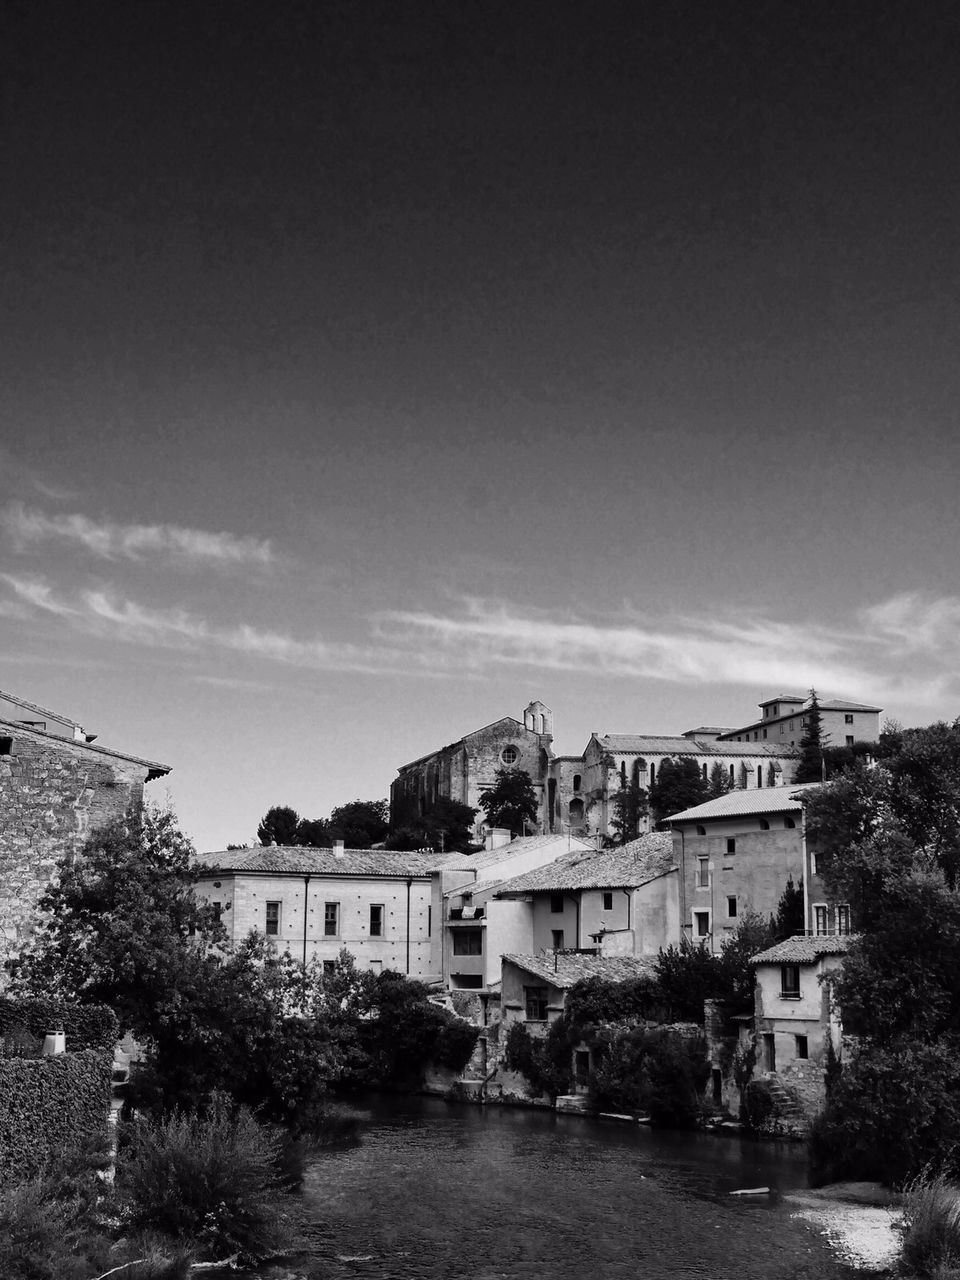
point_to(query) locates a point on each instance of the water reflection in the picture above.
(434, 1190)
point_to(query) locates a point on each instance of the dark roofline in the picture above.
(207, 871)
(153, 767)
(438, 751)
(43, 711)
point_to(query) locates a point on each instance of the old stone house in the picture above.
(736, 854)
(621, 901)
(783, 719)
(56, 786)
(315, 903)
(534, 987)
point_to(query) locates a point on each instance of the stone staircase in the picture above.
(787, 1117)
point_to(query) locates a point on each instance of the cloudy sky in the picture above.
(370, 369)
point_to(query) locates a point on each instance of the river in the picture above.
(436, 1191)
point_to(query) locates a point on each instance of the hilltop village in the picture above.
(505, 928)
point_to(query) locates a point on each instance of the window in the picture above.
(535, 999)
(556, 903)
(705, 773)
(331, 919)
(556, 936)
(509, 755)
(653, 775)
(6, 746)
(781, 728)
(759, 775)
(468, 942)
(217, 910)
(820, 920)
(608, 902)
(756, 736)
(732, 907)
(576, 810)
(843, 918)
(577, 782)
(429, 922)
(701, 924)
(789, 823)
(764, 825)
(703, 873)
(732, 773)
(790, 981)
(272, 927)
(701, 831)
(791, 726)
(848, 718)
(329, 968)
(849, 740)
(376, 920)
(813, 863)
(764, 733)
(731, 844)
(801, 1047)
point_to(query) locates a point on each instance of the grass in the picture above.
(931, 1228)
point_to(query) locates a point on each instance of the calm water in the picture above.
(434, 1190)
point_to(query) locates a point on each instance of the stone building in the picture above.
(736, 854)
(315, 903)
(56, 787)
(783, 720)
(461, 770)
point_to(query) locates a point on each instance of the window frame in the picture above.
(820, 911)
(698, 914)
(607, 900)
(267, 921)
(464, 940)
(791, 990)
(703, 873)
(380, 922)
(554, 909)
(331, 915)
(535, 1003)
(557, 939)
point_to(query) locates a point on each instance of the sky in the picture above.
(368, 370)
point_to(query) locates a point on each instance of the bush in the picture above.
(211, 1180)
(48, 1105)
(656, 1071)
(87, 1026)
(931, 1225)
(544, 1062)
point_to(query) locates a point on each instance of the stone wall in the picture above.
(53, 793)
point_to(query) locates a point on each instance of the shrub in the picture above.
(48, 1105)
(544, 1062)
(652, 1070)
(931, 1225)
(212, 1180)
(87, 1026)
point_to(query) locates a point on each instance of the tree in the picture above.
(720, 782)
(446, 825)
(629, 806)
(789, 920)
(679, 785)
(512, 801)
(810, 765)
(361, 823)
(279, 826)
(314, 833)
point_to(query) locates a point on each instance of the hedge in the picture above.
(87, 1026)
(47, 1106)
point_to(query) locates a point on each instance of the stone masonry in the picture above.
(53, 792)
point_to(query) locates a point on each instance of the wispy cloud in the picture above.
(37, 594)
(109, 540)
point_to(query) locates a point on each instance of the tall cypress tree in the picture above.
(810, 766)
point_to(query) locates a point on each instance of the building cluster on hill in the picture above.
(521, 920)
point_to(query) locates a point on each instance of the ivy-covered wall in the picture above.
(48, 1105)
(90, 1026)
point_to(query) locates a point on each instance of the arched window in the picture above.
(623, 773)
(733, 775)
(577, 782)
(789, 823)
(704, 773)
(653, 774)
(701, 831)
(576, 812)
(759, 775)
(764, 825)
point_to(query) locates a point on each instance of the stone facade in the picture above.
(54, 791)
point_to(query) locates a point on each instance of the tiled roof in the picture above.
(563, 968)
(283, 859)
(784, 697)
(493, 857)
(804, 950)
(43, 711)
(153, 767)
(658, 745)
(632, 864)
(835, 704)
(751, 800)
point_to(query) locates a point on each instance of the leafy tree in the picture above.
(511, 802)
(279, 826)
(810, 764)
(629, 806)
(313, 833)
(720, 782)
(361, 823)
(447, 825)
(679, 785)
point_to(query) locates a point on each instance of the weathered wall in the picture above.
(243, 899)
(656, 914)
(53, 793)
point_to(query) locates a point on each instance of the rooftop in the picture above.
(153, 767)
(565, 968)
(804, 950)
(669, 745)
(632, 864)
(488, 858)
(752, 800)
(301, 860)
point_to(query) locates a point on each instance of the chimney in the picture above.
(338, 848)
